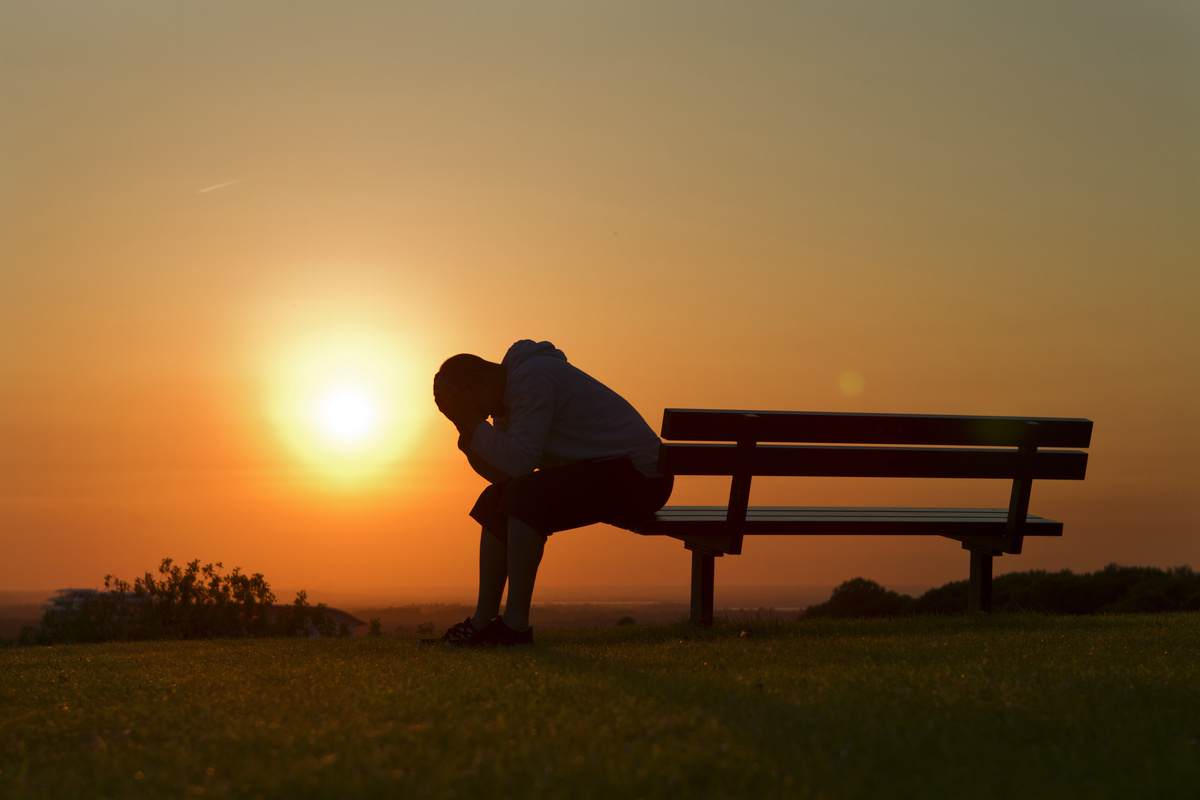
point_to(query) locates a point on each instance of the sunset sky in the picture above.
(237, 239)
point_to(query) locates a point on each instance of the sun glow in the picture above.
(344, 404)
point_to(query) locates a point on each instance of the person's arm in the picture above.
(486, 471)
(517, 450)
(452, 402)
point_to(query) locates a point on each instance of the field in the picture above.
(988, 707)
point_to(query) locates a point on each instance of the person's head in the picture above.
(483, 380)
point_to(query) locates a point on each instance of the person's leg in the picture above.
(493, 572)
(525, 547)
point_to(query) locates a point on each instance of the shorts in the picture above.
(561, 498)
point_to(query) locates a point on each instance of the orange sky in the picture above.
(210, 212)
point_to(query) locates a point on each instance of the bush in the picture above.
(860, 597)
(191, 602)
(1112, 590)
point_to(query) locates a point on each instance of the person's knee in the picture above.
(524, 534)
(520, 527)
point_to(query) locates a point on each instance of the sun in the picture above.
(344, 403)
(347, 414)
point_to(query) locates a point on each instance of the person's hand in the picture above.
(457, 404)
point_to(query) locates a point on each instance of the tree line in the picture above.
(1112, 590)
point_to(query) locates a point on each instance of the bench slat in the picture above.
(682, 521)
(874, 462)
(694, 424)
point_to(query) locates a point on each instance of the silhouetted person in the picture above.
(562, 451)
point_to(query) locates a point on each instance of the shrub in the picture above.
(191, 602)
(860, 597)
(1112, 590)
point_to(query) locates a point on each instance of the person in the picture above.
(561, 451)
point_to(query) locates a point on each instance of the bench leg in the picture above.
(980, 597)
(703, 568)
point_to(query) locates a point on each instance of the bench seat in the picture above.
(683, 522)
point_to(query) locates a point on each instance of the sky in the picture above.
(237, 240)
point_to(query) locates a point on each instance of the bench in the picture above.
(745, 444)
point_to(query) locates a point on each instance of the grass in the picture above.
(1006, 706)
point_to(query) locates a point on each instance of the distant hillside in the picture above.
(18, 609)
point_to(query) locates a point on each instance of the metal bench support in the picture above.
(980, 597)
(703, 570)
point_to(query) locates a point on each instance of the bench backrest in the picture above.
(743, 444)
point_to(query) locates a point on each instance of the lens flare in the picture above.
(852, 383)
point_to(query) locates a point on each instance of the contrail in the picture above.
(220, 185)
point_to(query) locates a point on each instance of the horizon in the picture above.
(748, 595)
(235, 244)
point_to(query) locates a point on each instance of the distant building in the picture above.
(344, 618)
(69, 598)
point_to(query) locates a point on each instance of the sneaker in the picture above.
(455, 633)
(495, 634)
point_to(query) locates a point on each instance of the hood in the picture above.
(526, 349)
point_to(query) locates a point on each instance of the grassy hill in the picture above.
(1002, 706)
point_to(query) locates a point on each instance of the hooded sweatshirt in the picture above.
(555, 414)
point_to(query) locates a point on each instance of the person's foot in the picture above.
(495, 634)
(455, 633)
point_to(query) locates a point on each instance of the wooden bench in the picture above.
(745, 444)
